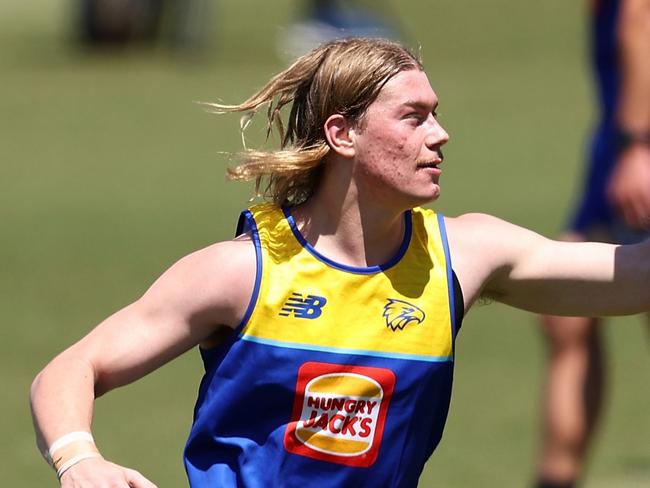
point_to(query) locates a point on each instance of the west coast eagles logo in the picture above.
(399, 314)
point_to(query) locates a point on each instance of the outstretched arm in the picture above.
(518, 267)
(185, 306)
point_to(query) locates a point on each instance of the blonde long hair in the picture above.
(340, 77)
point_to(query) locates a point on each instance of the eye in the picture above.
(417, 116)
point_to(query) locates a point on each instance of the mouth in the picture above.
(431, 164)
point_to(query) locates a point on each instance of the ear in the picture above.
(339, 133)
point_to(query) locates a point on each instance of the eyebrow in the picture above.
(420, 105)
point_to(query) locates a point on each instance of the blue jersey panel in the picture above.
(245, 446)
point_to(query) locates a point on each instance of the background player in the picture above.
(615, 207)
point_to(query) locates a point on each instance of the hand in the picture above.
(629, 186)
(99, 473)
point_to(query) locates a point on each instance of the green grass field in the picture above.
(109, 172)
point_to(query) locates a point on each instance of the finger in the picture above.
(136, 480)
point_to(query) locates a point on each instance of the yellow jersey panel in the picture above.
(401, 309)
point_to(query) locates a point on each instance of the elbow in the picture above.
(34, 388)
(34, 391)
(101, 388)
(66, 372)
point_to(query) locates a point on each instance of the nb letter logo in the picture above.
(303, 307)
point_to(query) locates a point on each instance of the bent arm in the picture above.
(521, 268)
(197, 295)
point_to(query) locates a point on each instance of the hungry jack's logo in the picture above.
(399, 314)
(339, 413)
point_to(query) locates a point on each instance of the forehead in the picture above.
(410, 87)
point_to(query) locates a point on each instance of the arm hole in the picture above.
(243, 223)
(211, 354)
(456, 299)
(459, 302)
(246, 223)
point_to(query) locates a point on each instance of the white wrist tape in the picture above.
(74, 460)
(69, 439)
(70, 449)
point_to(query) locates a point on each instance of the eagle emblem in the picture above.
(399, 314)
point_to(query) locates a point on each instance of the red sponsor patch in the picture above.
(339, 413)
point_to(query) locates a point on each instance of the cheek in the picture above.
(388, 147)
(388, 155)
(384, 166)
(391, 141)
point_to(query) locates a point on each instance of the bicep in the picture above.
(573, 278)
(518, 267)
(183, 307)
(564, 278)
(131, 343)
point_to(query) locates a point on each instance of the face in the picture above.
(398, 143)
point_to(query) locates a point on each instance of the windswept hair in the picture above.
(339, 77)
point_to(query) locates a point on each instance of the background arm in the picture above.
(629, 185)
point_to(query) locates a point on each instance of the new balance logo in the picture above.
(303, 307)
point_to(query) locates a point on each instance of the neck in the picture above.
(347, 228)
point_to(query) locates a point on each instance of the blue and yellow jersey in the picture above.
(337, 375)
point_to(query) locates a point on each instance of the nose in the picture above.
(437, 135)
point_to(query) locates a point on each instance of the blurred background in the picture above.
(110, 171)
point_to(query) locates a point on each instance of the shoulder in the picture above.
(476, 234)
(216, 281)
(466, 224)
(483, 246)
(473, 222)
(235, 253)
(227, 265)
(216, 262)
(479, 229)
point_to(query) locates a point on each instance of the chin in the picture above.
(431, 196)
(419, 200)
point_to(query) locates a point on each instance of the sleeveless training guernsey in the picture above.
(337, 375)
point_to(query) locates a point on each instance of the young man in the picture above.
(614, 207)
(327, 328)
